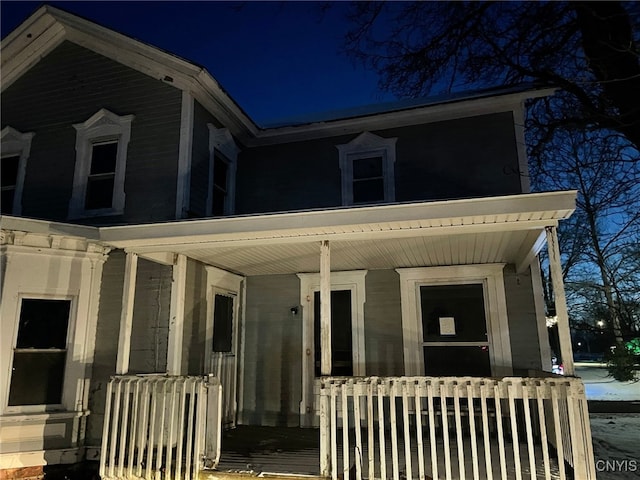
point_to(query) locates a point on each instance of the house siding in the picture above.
(149, 335)
(200, 161)
(68, 86)
(523, 328)
(272, 352)
(383, 324)
(461, 158)
(194, 358)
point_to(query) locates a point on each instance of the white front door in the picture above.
(222, 337)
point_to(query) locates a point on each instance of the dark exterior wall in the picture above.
(272, 352)
(68, 86)
(523, 328)
(107, 331)
(468, 157)
(383, 324)
(200, 161)
(194, 358)
(149, 331)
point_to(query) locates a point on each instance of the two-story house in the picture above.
(372, 274)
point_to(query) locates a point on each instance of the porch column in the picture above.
(126, 314)
(560, 301)
(176, 315)
(325, 308)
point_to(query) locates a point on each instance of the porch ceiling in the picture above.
(495, 230)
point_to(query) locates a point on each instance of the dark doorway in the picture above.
(341, 337)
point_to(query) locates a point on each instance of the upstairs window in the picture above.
(40, 352)
(16, 148)
(223, 154)
(367, 166)
(101, 155)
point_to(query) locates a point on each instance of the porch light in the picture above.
(551, 321)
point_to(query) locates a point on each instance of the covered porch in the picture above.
(461, 242)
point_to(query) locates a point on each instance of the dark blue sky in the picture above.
(276, 59)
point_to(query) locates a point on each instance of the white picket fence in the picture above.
(454, 427)
(223, 367)
(160, 426)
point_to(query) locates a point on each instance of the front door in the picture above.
(341, 334)
(454, 330)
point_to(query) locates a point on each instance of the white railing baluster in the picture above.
(501, 451)
(485, 428)
(444, 415)
(418, 393)
(432, 430)
(561, 406)
(406, 429)
(381, 423)
(514, 429)
(472, 428)
(458, 418)
(529, 429)
(394, 429)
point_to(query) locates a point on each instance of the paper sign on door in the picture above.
(447, 326)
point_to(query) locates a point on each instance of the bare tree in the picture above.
(588, 49)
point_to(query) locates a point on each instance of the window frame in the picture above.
(103, 126)
(222, 147)
(490, 276)
(15, 143)
(67, 395)
(368, 145)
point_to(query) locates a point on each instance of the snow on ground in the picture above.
(616, 445)
(599, 386)
(616, 437)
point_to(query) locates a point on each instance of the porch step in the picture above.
(216, 475)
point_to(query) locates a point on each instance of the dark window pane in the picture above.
(103, 158)
(219, 198)
(368, 190)
(367, 167)
(457, 361)
(37, 378)
(43, 323)
(222, 323)
(99, 193)
(220, 169)
(9, 170)
(341, 338)
(462, 302)
(7, 201)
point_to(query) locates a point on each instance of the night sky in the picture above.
(276, 59)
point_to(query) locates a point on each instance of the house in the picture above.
(377, 269)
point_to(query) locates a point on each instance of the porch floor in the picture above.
(282, 450)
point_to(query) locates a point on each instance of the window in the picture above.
(16, 148)
(222, 323)
(101, 154)
(454, 321)
(367, 166)
(40, 352)
(223, 154)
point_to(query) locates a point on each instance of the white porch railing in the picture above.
(454, 427)
(160, 426)
(223, 368)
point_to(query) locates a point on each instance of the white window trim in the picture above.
(368, 145)
(492, 279)
(67, 396)
(15, 143)
(101, 126)
(310, 283)
(221, 140)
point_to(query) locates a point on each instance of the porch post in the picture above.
(126, 314)
(560, 301)
(325, 308)
(176, 316)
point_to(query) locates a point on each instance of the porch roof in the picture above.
(506, 229)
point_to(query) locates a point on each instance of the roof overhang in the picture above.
(507, 229)
(48, 27)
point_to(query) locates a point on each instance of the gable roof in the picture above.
(49, 26)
